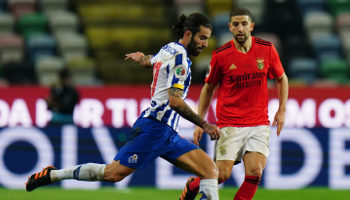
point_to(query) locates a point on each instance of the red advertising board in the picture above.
(120, 105)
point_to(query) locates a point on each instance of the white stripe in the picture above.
(171, 118)
(175, 127)
(147, 113)
(161, 113)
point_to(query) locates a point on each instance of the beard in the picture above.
(192, 48)
(241, 40)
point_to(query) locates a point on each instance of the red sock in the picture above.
(248, 188)
(194, 185)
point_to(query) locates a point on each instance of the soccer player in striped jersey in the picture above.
(240, 69)
(154, 134)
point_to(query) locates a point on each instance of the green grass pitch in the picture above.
(107, 193)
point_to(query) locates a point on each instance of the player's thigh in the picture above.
(115, 171)
(199, 163)
(254, 163)
(230, 144)
(258, 140)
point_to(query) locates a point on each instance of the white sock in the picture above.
(209, 188)
(84, 172)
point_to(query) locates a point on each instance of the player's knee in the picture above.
(211, 172)
(113, 178)
(111, 175)
(224, 174)
(215, 172)
(255, 172)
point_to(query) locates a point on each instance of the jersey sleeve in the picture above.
(178, 72)
(214, 73)
(276, 69)
(154, 59)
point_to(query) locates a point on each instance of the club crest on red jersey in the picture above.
(260, 63)
(208, 71)
(233, 66)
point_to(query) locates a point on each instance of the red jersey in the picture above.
(242, 78)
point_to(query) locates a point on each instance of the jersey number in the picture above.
(156, 68)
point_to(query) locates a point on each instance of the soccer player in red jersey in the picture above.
(240, 69)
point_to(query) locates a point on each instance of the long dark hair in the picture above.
(192, 23)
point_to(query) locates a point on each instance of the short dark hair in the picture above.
(241, 11)
(192, 23)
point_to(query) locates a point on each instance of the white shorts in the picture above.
(234, 142)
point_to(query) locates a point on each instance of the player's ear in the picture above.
(252, 26)
(187, 35)
(230, 27)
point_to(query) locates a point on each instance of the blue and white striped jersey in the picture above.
(171, 68)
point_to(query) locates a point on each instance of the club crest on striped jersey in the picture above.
(133, 159)
(180, 71)
(260, 63)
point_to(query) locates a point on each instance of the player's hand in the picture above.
(136, 56)
(279, 119)
(212, 130)
(197, 135)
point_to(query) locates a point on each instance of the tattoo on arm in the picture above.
(184, 110)
(176, 92)
(146, 61)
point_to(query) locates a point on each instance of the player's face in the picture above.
(199, 41)
(241, 27)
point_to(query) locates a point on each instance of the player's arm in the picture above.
(282, 89)
(178, 104)
(140, 58)
(205, 98)
(203, 107)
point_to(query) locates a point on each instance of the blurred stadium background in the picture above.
(90, 37)
(38, 37)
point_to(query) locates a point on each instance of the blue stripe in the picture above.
(161, 108)
(175, 80)
(178, 59)
(166, 116)
(167, 70)
(76, 173)
(187, 83)
(189, 62)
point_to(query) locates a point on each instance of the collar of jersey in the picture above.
(177, 42)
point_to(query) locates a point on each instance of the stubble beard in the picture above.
(241, 41)
(192, 48)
